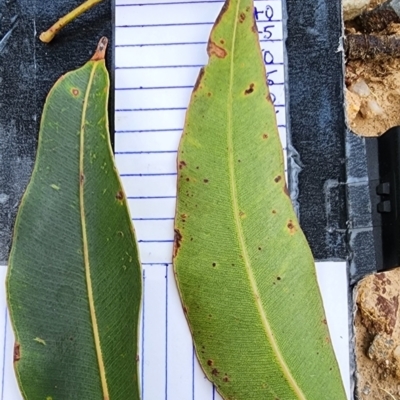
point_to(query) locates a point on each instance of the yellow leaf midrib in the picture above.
(240, 234)
(88, 277)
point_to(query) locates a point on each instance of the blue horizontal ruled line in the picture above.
(175, 66)
(163, 66)
(171, 87)
(149, 130)
(178, 2)
(156, 241)
(170, 3)
(166, 264)
(146, 152)
(179, 43)
(153, 219)
(155, 87)
(273, 21)
(150, 197)
(155, 174)
(159, 44)
(151, 109)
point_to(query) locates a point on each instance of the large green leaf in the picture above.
(74, 280)
(243, 266)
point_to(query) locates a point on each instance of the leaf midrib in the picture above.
(240, 234)
(89, 286)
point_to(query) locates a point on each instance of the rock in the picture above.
(353, 8)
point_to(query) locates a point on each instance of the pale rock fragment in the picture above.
(353, 104)
(353, 8)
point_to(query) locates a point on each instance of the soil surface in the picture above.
(372, 112)
(377, 337)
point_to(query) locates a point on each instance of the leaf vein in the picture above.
(239, 229)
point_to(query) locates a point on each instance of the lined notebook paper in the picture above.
(160, 48)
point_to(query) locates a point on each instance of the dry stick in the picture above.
(372, 46)
(48, 36)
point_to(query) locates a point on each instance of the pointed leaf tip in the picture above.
(100, 52)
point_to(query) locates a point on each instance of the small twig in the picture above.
(372, 46)
(48, 36)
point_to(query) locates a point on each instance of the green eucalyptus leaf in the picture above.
(245, 272)
(74, 280)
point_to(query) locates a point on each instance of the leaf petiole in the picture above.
(48, 35)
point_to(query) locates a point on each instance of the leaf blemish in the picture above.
(82, 179)
(215, 372)
(214, 264)
(250, 89)
(210, 362)
(182, 164)
(119, 195)
(265, 136)
(285, 190)
(17, 352)
(242, 17)
(75, 92)
(215, 50)
(291, 227)
(277, 179)
(205, 180)
(177, 241)
(199, 78)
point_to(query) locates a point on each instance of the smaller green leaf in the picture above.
(74, 278)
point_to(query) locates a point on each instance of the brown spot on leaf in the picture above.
(182, 164)
(242, 17)
(224, 9)
(291, 227)
(222, 41)
(177, 241)
(81, 178)
(214, 264)
(250, 89)
(209, 94)
(277, 179)
(119, 195)
(278, 278)
(137, 357)
(205, 180)
(199, 78)
(215, 50)
(210, 362)
(187, 179)
(265, 136)
(226, 379)
(75, 92)
(259, 248)
(324, 322)
(17, 352)
(215, 372)
(273, 211)
(285, 190)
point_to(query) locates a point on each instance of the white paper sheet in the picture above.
(160, 48)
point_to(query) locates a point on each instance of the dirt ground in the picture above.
(373, 88)
(377, 337)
